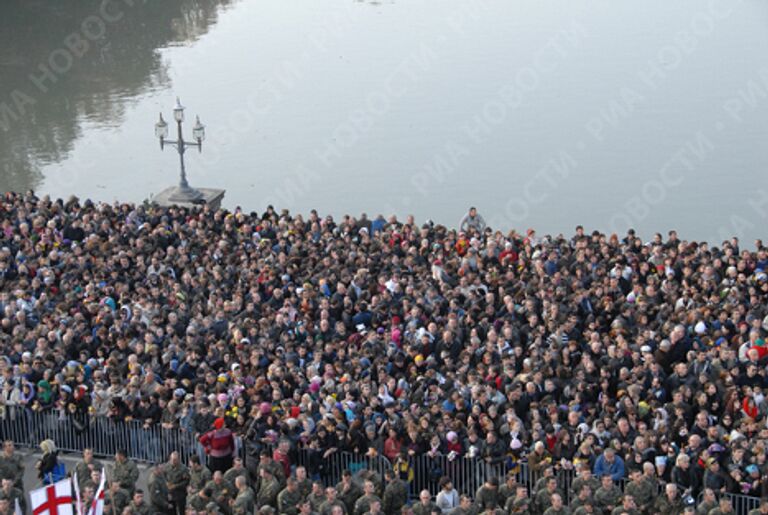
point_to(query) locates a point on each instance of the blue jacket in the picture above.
(615, 469)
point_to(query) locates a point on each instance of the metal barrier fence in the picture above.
(153, 444)
(742, 504)
(105, 436)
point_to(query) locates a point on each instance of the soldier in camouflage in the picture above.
(585, 477)
(11, 493)
(199, 475)
(86, 467)
(670, 503)
(425, 506)
(465, 506)
(587, 508)
(11, 465)
(159, 500)
(317, 496)
(199, 501)
(520, 504)
(508, 489)
(362, 505)
(222, 491)
(628, 506)
(395, 493)
(762, 510)
(724, 508)
(289, 498)
(584, 494)
(237, 470)
(303, 483)
(245, 501)
(177, 481)
(544, 497)
(487, 496)
(116, 499)
(332, 502)
(138, 505)
(125, 471)
(557, 507)
(348, 491)
(640, 490)
(608, 496)
(269, 488)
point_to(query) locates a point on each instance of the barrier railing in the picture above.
(152, 443)
(143, 442)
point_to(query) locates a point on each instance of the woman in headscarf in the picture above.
(219, 445)
(44, 394)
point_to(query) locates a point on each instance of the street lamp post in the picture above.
(184, 192)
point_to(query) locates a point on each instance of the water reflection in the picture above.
(64, 63)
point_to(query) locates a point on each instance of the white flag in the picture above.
(55, 499)
(97, 506)
(78, 501)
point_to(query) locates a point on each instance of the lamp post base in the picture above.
(199, 197)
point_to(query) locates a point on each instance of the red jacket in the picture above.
(218, 442)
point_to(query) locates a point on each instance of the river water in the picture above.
(651, 115)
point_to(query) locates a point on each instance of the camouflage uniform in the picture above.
(578, 503)
(127, 473)
(198, 502)
(643, 493)
(505, 492)
(363, 504)
(607, 498)
(142, 509)
(421, 509)
(349, 497)
(83, 471)
(561, 511)
(579, 482)
(244, 502)
(395, 496)
(268, 492)
(305, 487)
(316, 501)
(158, 493)
(326, 507)
(177, 477)
(519, 506)
(198, 478)
(233, 474)
(13, 468)
(288, 502)
(117, 500)
(544, 499)
(12, 495)
(663, 506)
(706, 506)
(221, 493)
(461, 511)
(487, 498)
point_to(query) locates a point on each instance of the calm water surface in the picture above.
(652, 114)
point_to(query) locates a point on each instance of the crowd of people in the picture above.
(635, 366)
